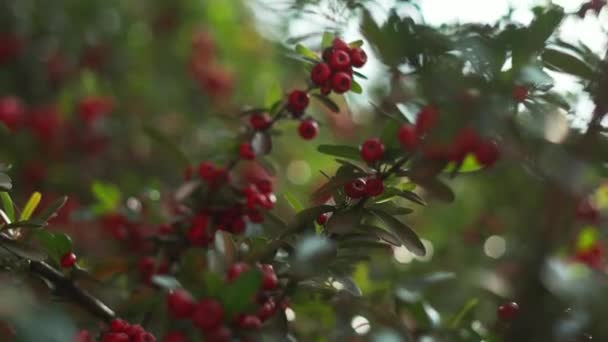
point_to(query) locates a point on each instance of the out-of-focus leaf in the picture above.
(52, 209)
(158, 137)
(328, 39)
(261, 143)
(343, 222)
(166, 282)
(466, 310)
(312, 253)
(239, 296)
(356, 87)
(356, 43)
(382, 234)
(7, 204)
(342, 151)
(186, 189)
(293, 202)
(564, 62)
(408, 237)
(30, 206)
(329, 103)
(107, 195)
(21, 249)
(469, 164)
(55, 244)
(33, 223)
(349, 285)
(5, 182)
(438, 190)
(304, 51)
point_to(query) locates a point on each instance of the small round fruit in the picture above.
(180, 303)
(267, 310)
(407, 137)
(339, 44)
(68, 260)
(118, 325)
(427, 118)
(508, 311)
(465, 142)
(322, 219)
(374, 187)
(206, 170)
(264, 186)
(320, 73)
(372, 150)
(175, 336)
(221, 334)
(208, 315)
(355, 188)
(246, 151)
(260, 121)
(326, 88)
(249, 322)
(358, 57)
(486, 152)
(339, 60)
(236, 269)
(520, 93)
(341, 82)
(308, 129)
(297, 101)
(269, 277)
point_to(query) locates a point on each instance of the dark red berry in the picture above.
(68, 260)
(374, 187)
(358, 57)
(339, 44)
(264, 186)
(246, 151)
(207, 170)
(341, 82)
(486, 152)
(238, 225)
(427, 118)
(586, 211)
(236, 270)
(175, 336)
(372, 150)
(221, 334)
(520, 93)
(407, 137)
(308, 129)
(180, 303)
(11, 112)
(355, 188)
(508, 311)
(339, 60)
(255, 216)
(465, 142)
(267, 310)
(260, 121)
(249, 322)
(208, 315)
(269, 277)
(322, 219)
(118, 325)
(326, 88)
(297, 102)
(320, 73)
(115, 337)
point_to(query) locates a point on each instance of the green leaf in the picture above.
(293, 202)
(408, 237)
(55, 244)
(213, 284)
(5, 182)
(107, 195)
(239, 295)
(328, 39)
(25, 224)
(342, 151)
(273, 96)
(304, 51)
(331, 105)
(438, 189)
(53, 208)
(382, 234)
(360, 75)
(30, 206)
(166, 282)
(467, 309)
(566, 63)
(356, 87)
(469, 164)
(158, 137)
(343, 222)
(7, 204)
(356, 43)
(21, 249)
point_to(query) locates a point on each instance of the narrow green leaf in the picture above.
(356, 43)
(566, 63)
(331, 105)
(342, 151)
(239, 295)
(7, 204)
(26, 224)
(158, 137)
(30, 206)
(293, 202)
(304, 51)
(356, 88)
(408, 237)
(469, 164)
(467, 308)
(328, 39)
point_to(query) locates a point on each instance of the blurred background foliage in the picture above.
(500, 239)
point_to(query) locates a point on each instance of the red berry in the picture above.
(322, 219)
(246, 151)
(486, 152)
(198, 234)
(374, 187)
(118, 325)
(115, 337)
(372, 150)
(180, 303)
(11, 112)
(297, 101)
(269, 277)
(255, 216)
(320, 73)
(208, 315)
(465, 142)
(264, 185)
(267, 310)
(326, 88)
(341, 82)
(427, 118)
(339, 60)
(221, 334)
(407, 137)
(520, 93)
(165, 229)
(308, 129)
(238, 225)
(260, 121)
(355, 188)
(207, 170)
(358, 57)
(93, 107)
(339, 44)
(175, 336)
(508, 311)
(236, 269)
(68, 260)
(83, 336)
(249, 322)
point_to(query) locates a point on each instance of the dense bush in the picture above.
(174, 171)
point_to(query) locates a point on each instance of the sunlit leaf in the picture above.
(30, 206)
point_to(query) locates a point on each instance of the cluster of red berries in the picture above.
(212, 78)
(466, 141)
(119, 331)
(254, 198)
(593, 5)
(336, 71)
(120, 228)
(207, 314)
